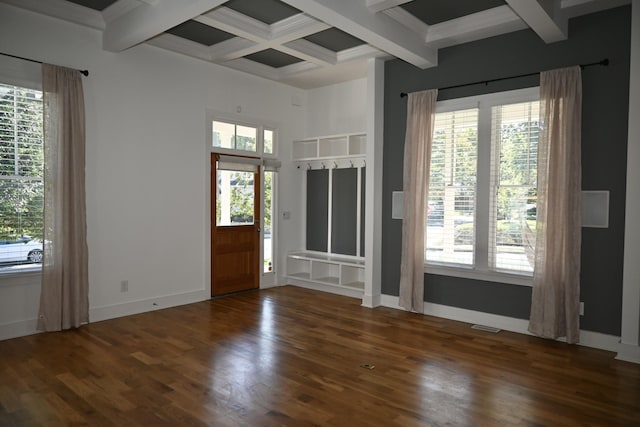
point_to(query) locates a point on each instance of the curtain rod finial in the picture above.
(403, 94)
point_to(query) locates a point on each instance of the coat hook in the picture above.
(308, 166)
(351, 163)
(324, 166)
(335, 165)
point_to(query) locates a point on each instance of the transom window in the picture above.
(481, 215)
(258, 140)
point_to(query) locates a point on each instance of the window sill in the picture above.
(488, 276)
(25, 277)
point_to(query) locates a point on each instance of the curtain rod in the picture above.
(83, 72)
(604, 62)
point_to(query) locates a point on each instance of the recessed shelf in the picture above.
(334, 271)
(330, 147)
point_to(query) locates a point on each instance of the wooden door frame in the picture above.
(257, 219)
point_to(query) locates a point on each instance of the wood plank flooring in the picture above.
(292, 357)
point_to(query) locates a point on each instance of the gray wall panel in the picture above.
(362, 210)
(605, 116)
(344, 205)
(317, 209)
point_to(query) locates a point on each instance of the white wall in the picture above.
(336, 109)
(147, 164)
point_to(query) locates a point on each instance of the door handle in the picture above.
(258, 229)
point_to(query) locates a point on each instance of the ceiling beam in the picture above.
(479, 25)
(377, 29)
(62, 9)
(545, 17)
(150, 19)
(380, 5)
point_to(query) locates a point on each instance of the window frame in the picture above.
(480, 269)
(267, 278)
(26, 275)
(257, 124)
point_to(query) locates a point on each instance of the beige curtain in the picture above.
(555, 304)
(64, 296)
(417, 160)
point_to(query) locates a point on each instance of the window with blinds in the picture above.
(21, 169)
(481, 217)
(450, 232)
(514, 142)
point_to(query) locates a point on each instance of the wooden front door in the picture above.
(235, 228)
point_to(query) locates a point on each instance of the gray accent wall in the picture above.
(363, 211)
(604, 145)
(317, 210)
(344, 209)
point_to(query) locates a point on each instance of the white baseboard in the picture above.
(18, 329)
(371, 301)
(97, 314)
(587, 338)
(628, 353)
(339, 290)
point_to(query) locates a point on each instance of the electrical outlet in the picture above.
(124, 286)
(581, 308)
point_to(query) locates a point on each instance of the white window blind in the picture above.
(481, 217)
(21, 168)
(452, 188)
(514, 134)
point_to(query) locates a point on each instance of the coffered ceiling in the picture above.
(311, 43)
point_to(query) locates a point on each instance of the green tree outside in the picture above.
(21, 163)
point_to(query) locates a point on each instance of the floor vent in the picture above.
(486, 328)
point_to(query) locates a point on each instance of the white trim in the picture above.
(329, 212)
(628, 353)
(587, 338)
(471, 273)
(543, 18)
(28, 278)
(408, 20)
(381, 5)
(360, 52)
(373, 184)
(304, 49)
(65, 10)
(631, 269)
(97, 314)
(516, 96)
(477, 26)
(17, 329)
(326, 287)
(181, 46)
(359, 211)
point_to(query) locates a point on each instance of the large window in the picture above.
(21, 188)
(482, 192)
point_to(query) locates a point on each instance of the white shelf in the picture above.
(307, 149)
(330, 147)
(334, 271)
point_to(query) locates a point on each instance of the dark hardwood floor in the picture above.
(292, 357)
